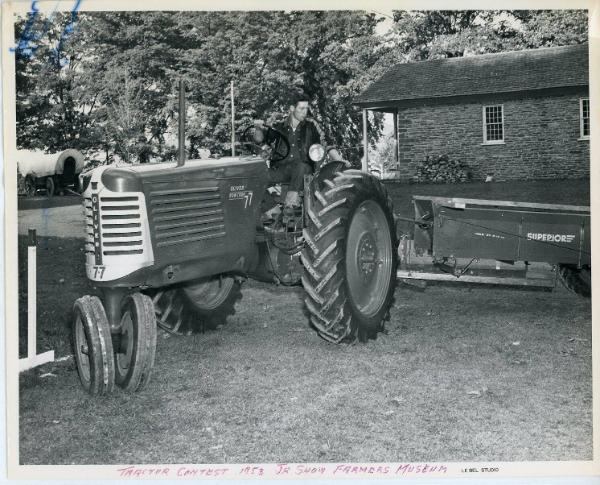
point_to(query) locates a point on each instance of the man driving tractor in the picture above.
(301, 132)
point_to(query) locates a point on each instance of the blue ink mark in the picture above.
(46, 218)
(25, 44)
(67, 32)
(28, 35)
(47, 25)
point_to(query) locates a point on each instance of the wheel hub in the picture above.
(81, 345)
(124, 342)
(369, 258)
(366, 256)
(125, 346)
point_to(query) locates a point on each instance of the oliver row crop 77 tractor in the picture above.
(170, 244)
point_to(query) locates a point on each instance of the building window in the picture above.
(584, 118)
(493, 124)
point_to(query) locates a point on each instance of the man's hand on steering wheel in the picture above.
(273, 144)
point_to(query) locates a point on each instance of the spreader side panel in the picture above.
(513, 234)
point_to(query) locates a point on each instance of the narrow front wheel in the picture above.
(134, 357)
(93, 346)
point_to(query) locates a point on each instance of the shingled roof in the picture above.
(505, 72)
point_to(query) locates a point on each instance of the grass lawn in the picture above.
(461, 374)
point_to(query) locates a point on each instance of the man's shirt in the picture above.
(300, 139)
(294, 139)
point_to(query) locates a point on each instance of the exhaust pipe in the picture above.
(181, 159)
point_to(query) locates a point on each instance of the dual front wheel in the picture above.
(126, 358)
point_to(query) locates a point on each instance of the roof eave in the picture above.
(385, 103)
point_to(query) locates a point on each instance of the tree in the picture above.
(330, 56)
(52, 111)
(454, 33)
(112, 84)
(546, 28)
(125, 118)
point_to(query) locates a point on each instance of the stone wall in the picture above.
(541, 138)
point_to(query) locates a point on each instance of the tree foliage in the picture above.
(117, 84)
(455, 33)
(109, 85)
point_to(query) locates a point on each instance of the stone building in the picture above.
(513, 115)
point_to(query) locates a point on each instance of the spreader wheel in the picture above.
(92, 344)
(578, 281)
(349, 259)
(198, 305)
(134, 357)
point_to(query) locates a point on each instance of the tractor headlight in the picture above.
(316, 152)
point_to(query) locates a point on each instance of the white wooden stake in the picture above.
(33, 359)
(31, 294)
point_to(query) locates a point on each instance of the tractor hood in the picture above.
(160, 224)
(130, 178)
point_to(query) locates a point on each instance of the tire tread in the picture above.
(329, 212)
(99, 342)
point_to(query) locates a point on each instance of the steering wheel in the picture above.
(267, 135)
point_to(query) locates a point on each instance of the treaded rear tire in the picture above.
(188, 308)
(331, 302)
(213, 312)
(578, 281)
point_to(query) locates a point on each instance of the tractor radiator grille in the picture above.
(120, 226)
(89, 225)
(186, 215)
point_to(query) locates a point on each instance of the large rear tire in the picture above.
(197, 306)
(93, 348)
(350, 257)
(578, 281)
(134, 358)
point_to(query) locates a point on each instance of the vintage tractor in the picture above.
(170, 244)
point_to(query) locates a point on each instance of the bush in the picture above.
(441, 170)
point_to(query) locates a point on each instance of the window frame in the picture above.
(484, 124)
(583, 136)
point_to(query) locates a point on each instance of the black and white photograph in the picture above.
(298, 242)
